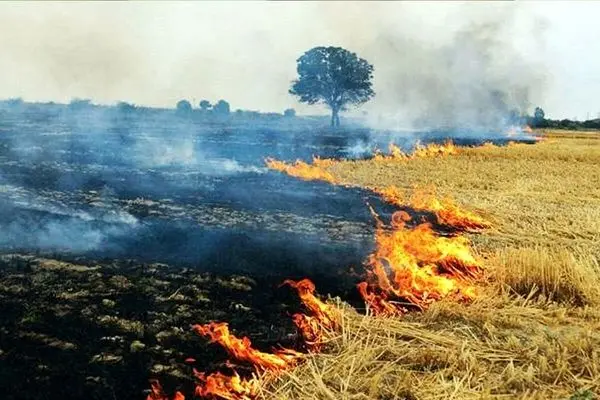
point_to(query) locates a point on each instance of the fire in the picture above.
(420, 151)
(324, 316)
(241, 349)
(435, 150)
(157, 393)
(302, 170)
(517, 130)
(396, 152)
(445, 209)
(218, 385)
(409, 268)
(416, 266)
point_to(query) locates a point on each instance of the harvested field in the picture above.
(532, 333)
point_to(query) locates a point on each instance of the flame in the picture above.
(517, 130)
(416, 266)
(325, 318)
(447, 212)
(318, 169)
(225, 387)
(302, 170)
(428, 151)
(241, 349)
(157, 392)
(396, 152)
(435, 150)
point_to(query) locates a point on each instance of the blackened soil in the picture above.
(84, 329)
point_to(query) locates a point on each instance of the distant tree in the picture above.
(14, 102)
(184, 106)
(335, 77)
(290, 112)
(538, 117)
(205, 105)
(78, 104)
(221, 108)
(125, 107)
(539, 114)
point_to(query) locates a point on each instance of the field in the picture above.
(532, 333)
(121, 231)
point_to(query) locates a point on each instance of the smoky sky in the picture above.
(430, 58)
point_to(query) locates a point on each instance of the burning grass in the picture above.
(530, 333)
(527, 331)
(447, 212)
(417, 266)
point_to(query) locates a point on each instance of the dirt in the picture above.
(80, 328)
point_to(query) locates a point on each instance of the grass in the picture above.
(533, 333)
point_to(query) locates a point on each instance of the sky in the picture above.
(156, 53)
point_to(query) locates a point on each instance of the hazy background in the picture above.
(428, 56)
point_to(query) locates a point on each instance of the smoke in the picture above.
(82, 166)
(430, 61)
(479, 78)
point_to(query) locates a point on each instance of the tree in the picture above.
(205, 105)
(222, 107)
(333, 76)
(79, 104)
(125, 107)
(539, 114)
(538, 117)
(184, 106)
(290, 112)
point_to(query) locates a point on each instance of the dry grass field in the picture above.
(534, 330)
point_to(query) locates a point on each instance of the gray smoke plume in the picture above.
(479, 77)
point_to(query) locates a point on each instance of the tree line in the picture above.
(539, 120)
(338, 79)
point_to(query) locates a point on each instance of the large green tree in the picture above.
(333, 76)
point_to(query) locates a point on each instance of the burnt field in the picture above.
(119, 231)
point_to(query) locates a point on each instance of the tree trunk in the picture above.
(335, 117)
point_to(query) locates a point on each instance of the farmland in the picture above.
(533, 330)
(122, 231)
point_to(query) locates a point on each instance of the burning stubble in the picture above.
(410, 268)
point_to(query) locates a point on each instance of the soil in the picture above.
(74, 329)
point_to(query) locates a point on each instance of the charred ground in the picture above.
(120, 231)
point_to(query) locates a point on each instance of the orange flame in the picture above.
(218, 385)
(435, 150)
(446, 211)
(242, 349)
(428, 151)
(324, 318)
(302, 170)
(157, 392)
(416, 266)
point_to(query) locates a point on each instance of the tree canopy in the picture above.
(222, 107)
(184, 106)
(205, 105)
(539, 114)
(333, 76)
